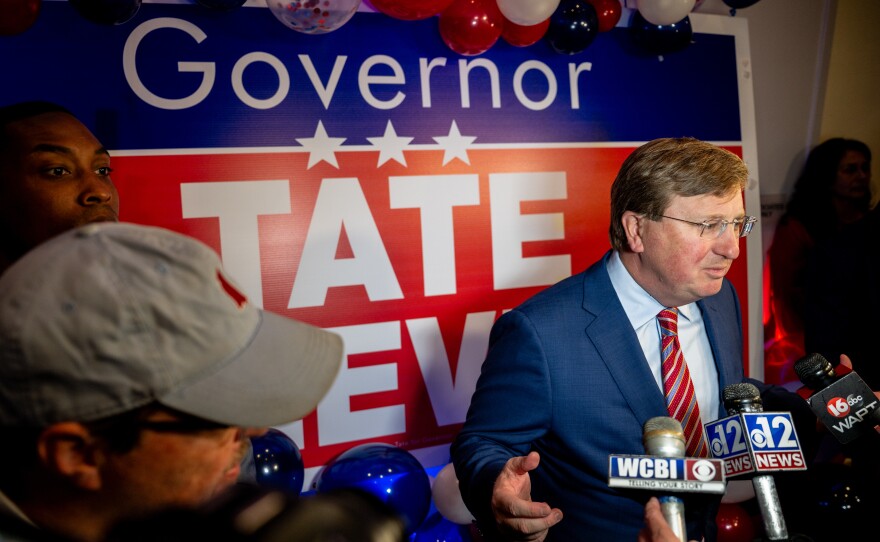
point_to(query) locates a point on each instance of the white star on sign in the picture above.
(390, 145)
(321, 147)
(455, 145)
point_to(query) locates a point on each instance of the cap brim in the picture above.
(280, 377)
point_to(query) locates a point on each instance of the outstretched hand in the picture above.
(515, 513)
(846, 362)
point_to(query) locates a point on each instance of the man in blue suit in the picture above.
(573, 373)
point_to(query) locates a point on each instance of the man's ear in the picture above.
(69, 451)
(632, 227)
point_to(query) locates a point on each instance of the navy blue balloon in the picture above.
(439, 529)
(573, 26)
(739, 4)
(660, 39)
(277, 461)
(222, 5)
(109, 12)
(391, 473)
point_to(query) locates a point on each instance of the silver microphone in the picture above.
(663, 436)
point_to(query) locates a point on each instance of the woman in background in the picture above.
(832, 191)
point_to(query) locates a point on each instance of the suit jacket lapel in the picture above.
(614, 338)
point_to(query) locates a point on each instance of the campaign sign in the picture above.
(689, 474)
(372, 182)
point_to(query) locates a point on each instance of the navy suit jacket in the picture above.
(565, 376)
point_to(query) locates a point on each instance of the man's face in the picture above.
(175, 468)
(54, 176)
(677, 266)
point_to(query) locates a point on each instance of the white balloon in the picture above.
(664, 12)
(738, 491)
(527, 12)
(447, 498)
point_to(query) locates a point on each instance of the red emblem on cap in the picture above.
(236, 296)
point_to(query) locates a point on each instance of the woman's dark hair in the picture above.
(811, 202)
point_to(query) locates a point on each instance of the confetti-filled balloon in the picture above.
(109, 12)
(471, 27)
(222, 5)
(16, 16)
(391, 473)
(274, 462)
(573, 26)
(313, 16)
(410, 10)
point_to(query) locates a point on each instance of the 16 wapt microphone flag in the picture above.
(690, 474)
(751, 442)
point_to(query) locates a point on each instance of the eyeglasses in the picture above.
(716, 228)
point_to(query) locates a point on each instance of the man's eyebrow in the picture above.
(60, 149)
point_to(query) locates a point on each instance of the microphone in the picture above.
(663, 436)
(839, 398)
(666, 470)
(745, 397)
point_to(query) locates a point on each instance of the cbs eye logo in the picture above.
(704, 470)
(840, 407)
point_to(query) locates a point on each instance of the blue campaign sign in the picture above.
(190, 78)
(374, 182)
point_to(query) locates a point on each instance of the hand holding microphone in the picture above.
(666, 470)
(839, 398)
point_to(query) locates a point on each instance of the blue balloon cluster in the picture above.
(276, 462)
(391, 473)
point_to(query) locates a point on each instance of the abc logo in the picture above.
(839, 407)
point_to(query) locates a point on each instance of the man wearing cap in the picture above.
(54, 176)
(132, 372)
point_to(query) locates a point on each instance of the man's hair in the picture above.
(25, 110)
(664, 168)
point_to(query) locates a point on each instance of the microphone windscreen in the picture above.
(663, 436)
(742, 397)
(814, 371)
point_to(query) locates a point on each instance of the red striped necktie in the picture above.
(681, 398)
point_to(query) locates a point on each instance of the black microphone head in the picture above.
(815, 371)
(742, 397)
(663, 436)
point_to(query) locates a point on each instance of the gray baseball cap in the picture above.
(110, 317)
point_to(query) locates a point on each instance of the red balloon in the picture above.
(410, 10)
(734, 524)
(16, 16)
(608, 12)
(471, 27)
(523, 36)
